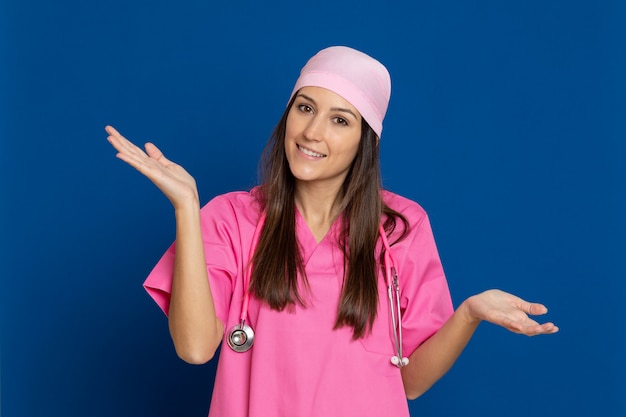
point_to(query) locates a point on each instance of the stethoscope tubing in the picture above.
(241, 335)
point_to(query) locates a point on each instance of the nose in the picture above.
(315, 129)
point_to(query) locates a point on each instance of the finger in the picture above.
(129, 152)
(145, 162)
(549, 328)
(531, 308)
(546, 328)
(513, 325)
(115, 137)
(124, 146)
(536, 309)
(155, 153)
(111, 130)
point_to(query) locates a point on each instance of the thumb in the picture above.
(536, 309)
(155, 153)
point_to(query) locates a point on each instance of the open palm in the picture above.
(169, 177)
(510, 312)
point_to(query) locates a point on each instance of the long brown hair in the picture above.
(278, 261)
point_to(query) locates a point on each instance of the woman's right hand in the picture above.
(194, 326)
(172, 179)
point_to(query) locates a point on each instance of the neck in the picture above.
(319, 206)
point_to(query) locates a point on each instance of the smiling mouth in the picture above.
(310, 152)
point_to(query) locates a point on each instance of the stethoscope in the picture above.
(241, 336)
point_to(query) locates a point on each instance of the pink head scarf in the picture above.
(358, 78)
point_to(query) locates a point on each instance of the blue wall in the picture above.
(506, 123)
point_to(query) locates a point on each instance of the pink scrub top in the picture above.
(299, 366)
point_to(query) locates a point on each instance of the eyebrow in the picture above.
(341, 109)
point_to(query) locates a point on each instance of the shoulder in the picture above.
(411, 210)
(235, 205)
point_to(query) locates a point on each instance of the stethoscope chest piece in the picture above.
(240, 337)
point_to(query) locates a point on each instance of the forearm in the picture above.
(194, 327)
(431, 360)
(434, 357)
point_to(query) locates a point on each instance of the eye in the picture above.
(340, 121)
(305, 108)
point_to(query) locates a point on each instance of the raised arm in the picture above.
(435, 357)
(194, 327)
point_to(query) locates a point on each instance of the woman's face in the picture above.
(322, 137)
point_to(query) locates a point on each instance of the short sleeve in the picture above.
(158, 284)
(221, 234)
(425, 297)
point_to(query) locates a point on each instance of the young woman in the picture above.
(309, 259)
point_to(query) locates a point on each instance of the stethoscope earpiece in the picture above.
(399, 363)
(240, 337)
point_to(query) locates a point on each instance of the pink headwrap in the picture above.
(358, 78)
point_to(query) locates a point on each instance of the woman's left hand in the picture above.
(508, 311)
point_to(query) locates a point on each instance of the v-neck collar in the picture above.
(306, 239)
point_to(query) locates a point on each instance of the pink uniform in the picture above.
(299, 366)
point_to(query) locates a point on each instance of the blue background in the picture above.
(506, 123)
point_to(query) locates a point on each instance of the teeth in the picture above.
(310, 152)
